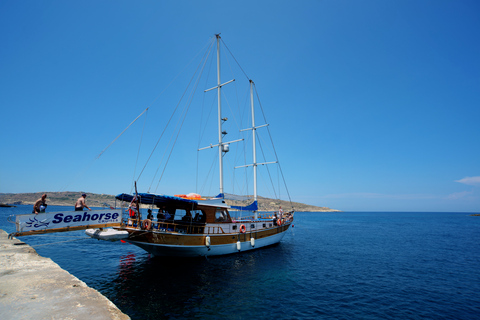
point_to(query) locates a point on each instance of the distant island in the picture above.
(69, 198)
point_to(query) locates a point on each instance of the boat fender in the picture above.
(239, 245)
(252, 242)
(243, 229)
(207, 241)
(279, 222)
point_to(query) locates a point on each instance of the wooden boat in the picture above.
(200, 228)
(205, 227)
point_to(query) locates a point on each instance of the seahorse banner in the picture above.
(67, 220)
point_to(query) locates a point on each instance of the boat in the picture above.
(186, 225)
(108, 234)
(6, 205)
(192, 226)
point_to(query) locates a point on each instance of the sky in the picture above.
(372, 105)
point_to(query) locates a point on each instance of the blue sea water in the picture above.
(348, 265)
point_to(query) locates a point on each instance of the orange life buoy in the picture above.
(279, 222)
(243, 229)
(147, 223)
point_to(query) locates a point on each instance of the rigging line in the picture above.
(212, 167)
(273, 146)
(234, 84)
(100, 154)
(268, 170)
(168, 123)
(212, 41)
(188, 105)
(138, 153)
(235, 59)
(230, 108)
(200, 135)
(121, 133)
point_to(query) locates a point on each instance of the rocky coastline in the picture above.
(68, 198)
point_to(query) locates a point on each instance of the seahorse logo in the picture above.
(36, 224)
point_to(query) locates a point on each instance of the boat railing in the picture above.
(163, 226)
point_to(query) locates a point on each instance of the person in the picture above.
(187, 217)
(132, 210)
(168, 216)
(40, 205)
(80, 204)
(160, 215)
(280, 213)
(150, 215)
(275, 219)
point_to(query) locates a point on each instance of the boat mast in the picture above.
(220, 143)
(254, 144)
(223, 147)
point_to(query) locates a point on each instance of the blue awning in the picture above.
(251, 207)
(158, 200)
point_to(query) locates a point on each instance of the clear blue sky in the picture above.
(374, 105)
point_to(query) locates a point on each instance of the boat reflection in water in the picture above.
(161, 287)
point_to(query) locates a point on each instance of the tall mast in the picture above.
(254, 144)
(223, 147)
(220, 143)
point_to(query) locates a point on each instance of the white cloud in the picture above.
(459, 195)
(471, 181)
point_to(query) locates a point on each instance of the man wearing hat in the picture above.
(80, 204)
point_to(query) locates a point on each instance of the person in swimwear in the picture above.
(80, 204)
(40, 205)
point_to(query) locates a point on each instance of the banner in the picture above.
(70, 220)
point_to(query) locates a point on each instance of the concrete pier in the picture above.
(34, 287)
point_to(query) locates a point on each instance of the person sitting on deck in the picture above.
(275, 219)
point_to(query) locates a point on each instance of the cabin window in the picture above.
(252, 226)
(234, 227)
(180, 213)
(264, 225)
(220, 215)
(198, 216)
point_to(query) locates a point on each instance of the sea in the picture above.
(330, 265)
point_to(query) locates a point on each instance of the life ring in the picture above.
(279, 222)
(243, 229)
(147, 223)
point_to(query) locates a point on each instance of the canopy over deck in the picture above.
(158, 200)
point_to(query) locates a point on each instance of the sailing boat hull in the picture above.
(181, 245)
